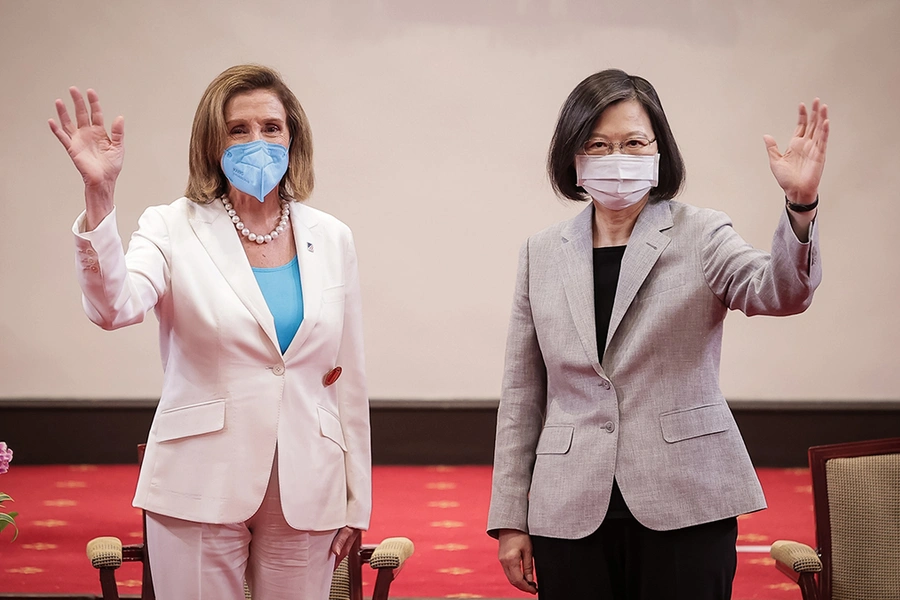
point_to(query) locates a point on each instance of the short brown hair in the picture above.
(576, 121)
(206, 180)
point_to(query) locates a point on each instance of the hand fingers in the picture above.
(519, 573)
(820, 135)
(117, 133)
(64, 121)
(821, 114)
(815, 121)
(771, 147)
(822, 138)
(528, 569)
(802, 121)
(81, 113)
(338, 544)
(61, 135)
(340, 540)
(96, 113)
(515, 578)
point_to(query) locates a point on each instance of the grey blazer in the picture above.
(653, 415)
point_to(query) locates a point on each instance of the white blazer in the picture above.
(229, 396)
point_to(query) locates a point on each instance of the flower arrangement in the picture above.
(6, 518)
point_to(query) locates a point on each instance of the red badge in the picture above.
(331, 376)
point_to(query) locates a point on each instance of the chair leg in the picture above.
(108, 583)
(383, 584)
(808, 588)
(354, 564)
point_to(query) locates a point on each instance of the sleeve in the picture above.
(118, 288)
(353, 399)
(756, 282)
(523, 400)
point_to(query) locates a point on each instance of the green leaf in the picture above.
(4, 497)
(8, 519)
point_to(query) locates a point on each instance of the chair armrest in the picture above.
(800, 563)
(105, 552)
(798, 557)
(391, 553)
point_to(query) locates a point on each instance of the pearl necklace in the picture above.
(255, 237)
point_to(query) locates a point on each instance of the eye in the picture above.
(597, 145)
(636, 143)
(238, 130)
(273, 129)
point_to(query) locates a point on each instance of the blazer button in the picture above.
(278, 370)
(605, 384)
(609, 426)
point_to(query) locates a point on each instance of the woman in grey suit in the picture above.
(618, 470)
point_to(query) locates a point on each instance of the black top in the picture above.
(607, 263)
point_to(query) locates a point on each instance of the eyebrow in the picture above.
(268, 119)
(630, 134)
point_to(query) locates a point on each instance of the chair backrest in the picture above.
(856, 493)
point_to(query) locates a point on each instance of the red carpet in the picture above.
(442, 509)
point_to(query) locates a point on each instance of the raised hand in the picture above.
(799, 170)
(97, 156)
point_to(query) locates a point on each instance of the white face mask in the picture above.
(617, 181)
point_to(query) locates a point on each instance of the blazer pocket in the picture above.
(330, 427)
(678, 425)
(333, 294)
(660, 286)
(555, 439)
(186, 421)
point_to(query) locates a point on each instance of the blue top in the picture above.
(280, 287)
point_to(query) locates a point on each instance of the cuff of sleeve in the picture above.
(79, 228)
(104, 240)
(358, 518)
(809, 232)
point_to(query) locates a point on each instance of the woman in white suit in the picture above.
(619, 470)
(258, 460)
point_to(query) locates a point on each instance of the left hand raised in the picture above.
(343, 539)
(799, 170)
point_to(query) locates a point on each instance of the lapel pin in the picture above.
(309, 247)
(331, 376)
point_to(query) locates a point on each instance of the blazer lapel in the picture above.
(644, 248)
(310, 254)
(216, 233)
(578, 280)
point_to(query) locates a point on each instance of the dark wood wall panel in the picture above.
(777, 434)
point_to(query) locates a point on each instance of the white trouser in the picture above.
(203, 561)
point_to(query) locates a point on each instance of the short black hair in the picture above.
(576, 122)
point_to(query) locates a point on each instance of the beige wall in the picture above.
(431, 121)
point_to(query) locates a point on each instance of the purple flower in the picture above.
(5, 456)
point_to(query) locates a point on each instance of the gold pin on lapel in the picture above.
(331, 376)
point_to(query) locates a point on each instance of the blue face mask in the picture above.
(255, 168)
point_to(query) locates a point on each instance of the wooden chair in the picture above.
(108, 553)
(387, 558)
(856, 498)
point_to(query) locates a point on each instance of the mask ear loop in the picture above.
(283, 196)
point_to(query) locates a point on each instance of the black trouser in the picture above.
(623, 560)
